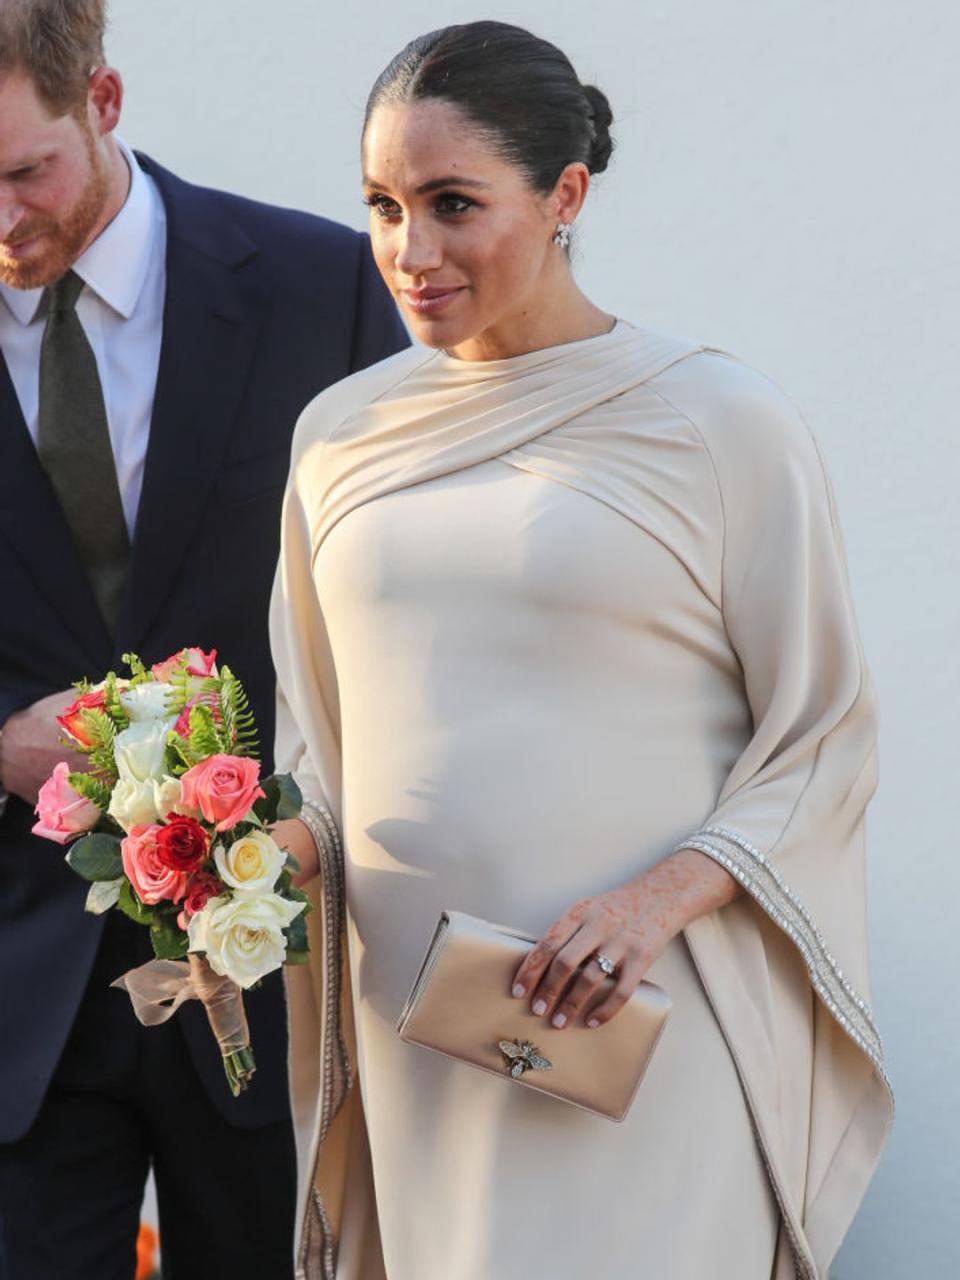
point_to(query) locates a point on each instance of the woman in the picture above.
(565, 641)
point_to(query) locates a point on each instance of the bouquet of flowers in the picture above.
(170, 825)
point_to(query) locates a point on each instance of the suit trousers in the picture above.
(125, 1097)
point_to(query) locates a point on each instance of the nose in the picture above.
(419, 249)
(11, 212)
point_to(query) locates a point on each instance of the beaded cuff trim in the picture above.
(318, 1249)
(763, 882)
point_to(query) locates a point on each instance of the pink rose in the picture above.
(63, 812)
(210, 700)
(223, 788)
(198, 664)
(152, 879)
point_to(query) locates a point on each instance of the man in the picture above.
(158, 343)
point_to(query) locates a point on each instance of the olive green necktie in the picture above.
(73, 441)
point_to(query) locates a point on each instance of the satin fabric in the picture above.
(728, 632)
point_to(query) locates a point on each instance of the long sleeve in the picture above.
(788, 820)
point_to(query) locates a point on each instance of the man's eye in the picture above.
(383, 206)
(451, 203)
(24, 172)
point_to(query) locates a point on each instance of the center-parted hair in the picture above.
(520, 90)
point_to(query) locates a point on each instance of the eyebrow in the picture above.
(435, 184)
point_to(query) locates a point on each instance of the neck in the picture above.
(118, 187)
(555, 316)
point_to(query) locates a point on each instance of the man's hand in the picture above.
(30, 746)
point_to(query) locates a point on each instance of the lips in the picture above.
(431, 300)
(17, 248)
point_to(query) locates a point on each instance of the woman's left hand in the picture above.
(631, 926)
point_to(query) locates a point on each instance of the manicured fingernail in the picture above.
(559, 1020)
(593, 1022)
(539, 1007)
(519, 990)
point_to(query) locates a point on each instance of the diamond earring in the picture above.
(561, 236)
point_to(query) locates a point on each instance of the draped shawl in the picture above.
(788, 822)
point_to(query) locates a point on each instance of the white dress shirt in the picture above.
(121, 310)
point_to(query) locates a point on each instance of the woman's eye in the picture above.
(451, 203)
(383, 206)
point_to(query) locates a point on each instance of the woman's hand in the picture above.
(631, 926)
(294, 836)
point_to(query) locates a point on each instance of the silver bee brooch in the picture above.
(522, 1056)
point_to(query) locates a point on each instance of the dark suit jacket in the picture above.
(264, 308)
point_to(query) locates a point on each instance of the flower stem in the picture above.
(239, 1066)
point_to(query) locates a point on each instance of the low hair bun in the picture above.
(601, 118)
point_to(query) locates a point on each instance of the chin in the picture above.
(34, 272)
(438, 331)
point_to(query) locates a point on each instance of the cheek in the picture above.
(382, 250)
(506, 261)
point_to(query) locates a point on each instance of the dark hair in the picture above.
(57, 43)
(520, 90)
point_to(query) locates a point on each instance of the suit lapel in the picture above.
(210, 324)
(33, 523)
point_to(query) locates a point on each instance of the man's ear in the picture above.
(104, 100)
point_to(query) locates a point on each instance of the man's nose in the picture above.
(11, 212)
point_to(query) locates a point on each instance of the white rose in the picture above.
(133, 803)
(251, 864)
(167, 794)
(148, 701)
(243, 935)
(139, 751)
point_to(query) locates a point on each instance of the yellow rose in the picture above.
(252, 864)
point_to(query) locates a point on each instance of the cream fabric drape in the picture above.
(754, 677)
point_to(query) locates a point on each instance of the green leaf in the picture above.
(112, 704)
(139, 673)
(297, 895)
(296, 934)
(103, 895)
(91, 788)
(96, 857)
(282, 799)
(291, 864)
(240, 730)
(169, 940)
(131, 906)
(297, 957)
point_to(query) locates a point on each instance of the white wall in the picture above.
(786, 186)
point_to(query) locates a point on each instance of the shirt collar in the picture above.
(115, 266)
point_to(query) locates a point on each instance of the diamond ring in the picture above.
(605, 964)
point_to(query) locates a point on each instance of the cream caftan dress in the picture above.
(537, 622)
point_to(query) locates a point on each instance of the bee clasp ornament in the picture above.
(522, 1056)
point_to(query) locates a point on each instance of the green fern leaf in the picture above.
(92, 789)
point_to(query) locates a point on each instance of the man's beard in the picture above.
(64, 240)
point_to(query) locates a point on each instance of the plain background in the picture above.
(785, 186)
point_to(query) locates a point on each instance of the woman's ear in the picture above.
(570, 192)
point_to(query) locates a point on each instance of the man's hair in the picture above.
(57, 43)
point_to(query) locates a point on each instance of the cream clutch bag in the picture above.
(461, 1006)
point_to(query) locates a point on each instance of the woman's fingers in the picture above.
(538, 960)
(629, 976)
(562, 970)
(591, 983)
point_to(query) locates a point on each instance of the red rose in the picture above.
(202, 888)
(181, 843)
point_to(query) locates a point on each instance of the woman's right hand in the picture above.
(294, 836)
